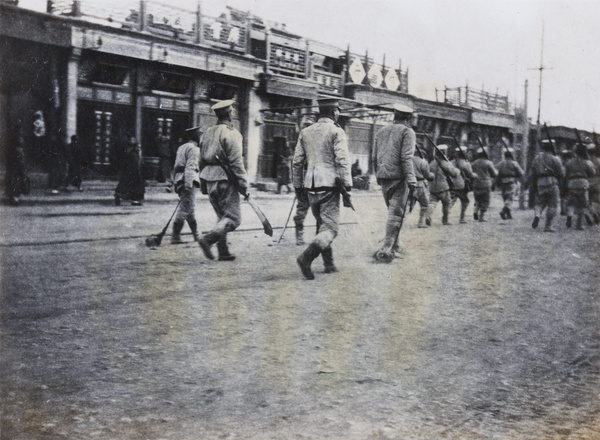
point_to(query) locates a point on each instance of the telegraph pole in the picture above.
(541, 68)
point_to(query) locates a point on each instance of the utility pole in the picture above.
(541, 68)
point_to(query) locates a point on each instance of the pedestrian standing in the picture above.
(131, 183)
(545, 175)
(321, 165)
(392, 156)
(283, 172)
(56, 163)
(224, 141)
(443, 175)
(421, 193)
(75, 162)
(578, 171)
(186, 174)
(463, 183)
(509, 175)
(16, 180)
(166, 161)
(482, 185)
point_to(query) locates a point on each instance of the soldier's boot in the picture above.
(536, 222)
(508, 213)
(569, 221)
(548, 227)
(463, 211)
(503, 213)
(482, 216)
(223, 249)
(194, 228)
(422, 218)
(327, 255)
(206, 241)
(385, 253)
(176, 237)
(306, 258)
(445, 219)
(579, 226)
(476, 214)
(299, 235)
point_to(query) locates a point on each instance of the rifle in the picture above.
(440, 152)
(550, 138)
(468, 184)
(481, 145)
(234, 181)
(345, 196)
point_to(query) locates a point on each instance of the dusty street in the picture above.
(480, 331)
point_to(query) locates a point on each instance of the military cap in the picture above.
(328, 102)
(461, 149)
(590, 145)
(443, 147)
(221, 105)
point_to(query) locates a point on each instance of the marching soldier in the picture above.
(482, 185)
(187, 179)
(321, 164)
(546, 174)
(421, 193)
(225, 142)
(443, 174)
(463, 183)
(578, 171)
(393, 165)
(509, 176)
(594, 191)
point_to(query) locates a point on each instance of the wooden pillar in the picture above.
(71, 93)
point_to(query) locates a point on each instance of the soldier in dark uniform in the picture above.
(443, 172)
(321, 164)
(510, 174)
(546, 173)
(578, 171)
(463, 183)
(482, 185)
(224, 141)
(393, 165)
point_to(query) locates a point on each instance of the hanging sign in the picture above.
(357, 71)
(375, 76)
(391, 80)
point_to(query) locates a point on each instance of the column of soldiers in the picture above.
(322, 179)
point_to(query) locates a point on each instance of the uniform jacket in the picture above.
(509, 171)
(440, 181)
(464, 172)
(422, 173)
(226, 142)
(486, 172)
(393, 152)
(187, 165)
(578, 172)
(547, 169)
(323, 149)
(595, 180)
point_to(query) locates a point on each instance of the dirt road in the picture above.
(480, 331)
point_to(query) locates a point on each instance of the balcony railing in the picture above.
(479, 99)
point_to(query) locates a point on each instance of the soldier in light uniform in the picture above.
(462, 184)
(186, 174)
(321, 164)
(578, 171)
(482, 185)
(547, 173)
(443, 171)
(509, 175)
(224, 141)
(421, 193)
(393, 165)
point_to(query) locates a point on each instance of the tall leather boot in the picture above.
(206, 241)
(508, 214)
(445, 219)
(422, 218)
(482, 216)
(548, 227)
(176, 237)
(327, 255)
(306, 258)
(579, 226)
(223, 249)
(463, 210)
(299, 235)
(194, 228)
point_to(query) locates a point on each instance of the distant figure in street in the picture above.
(55, 163)
(421, 193)
(39, 133)
(443, 173)
(545, 175)
(75, 163)
(463, 183)
(166, 161)
(482, 185)
(393, 153)
(321, 165)
(186, 174)
(578, 171)
(283, 172)
(131, 184)
(224, 141)
(16, 180)
(509, 175)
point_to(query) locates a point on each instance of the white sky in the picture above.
(492, 43)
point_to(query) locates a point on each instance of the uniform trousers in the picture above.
(187, 206)
(325, 207)
(225, 200)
